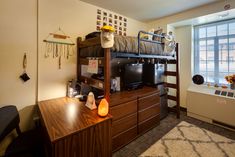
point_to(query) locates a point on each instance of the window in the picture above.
(214, 46)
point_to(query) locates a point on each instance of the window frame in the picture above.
(216, 38)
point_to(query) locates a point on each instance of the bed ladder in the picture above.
(176, 85)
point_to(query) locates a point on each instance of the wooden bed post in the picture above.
(177, 82)
(107, 58)
(78, 59)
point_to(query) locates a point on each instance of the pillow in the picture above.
(169, 43)
(147, 36)
(158, 32)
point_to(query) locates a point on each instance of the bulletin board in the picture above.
(107, 18)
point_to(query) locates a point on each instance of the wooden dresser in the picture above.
(73, 130)
(134, 113)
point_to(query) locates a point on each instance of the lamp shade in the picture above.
(103, 108)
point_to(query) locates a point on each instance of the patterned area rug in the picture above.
(187, 140)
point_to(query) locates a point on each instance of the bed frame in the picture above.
(108, 55)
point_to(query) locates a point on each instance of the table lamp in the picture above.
(103, 108)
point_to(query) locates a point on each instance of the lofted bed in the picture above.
(140, 108)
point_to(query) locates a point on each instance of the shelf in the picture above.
(85, 61)
(93, 82)
(89, 42)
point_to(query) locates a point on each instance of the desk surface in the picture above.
(65, 116)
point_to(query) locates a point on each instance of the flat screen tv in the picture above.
(132, 76)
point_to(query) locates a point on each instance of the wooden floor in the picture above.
(135, 148)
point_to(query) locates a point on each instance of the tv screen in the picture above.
(133, 75)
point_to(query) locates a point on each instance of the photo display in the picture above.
(107, 18)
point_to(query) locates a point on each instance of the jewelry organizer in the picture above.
(59, 45)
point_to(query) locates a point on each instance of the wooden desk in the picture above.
(73, 130)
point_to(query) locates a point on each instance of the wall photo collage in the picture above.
(117, 21)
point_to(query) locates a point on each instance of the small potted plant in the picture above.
(231, 80)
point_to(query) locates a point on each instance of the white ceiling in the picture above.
(146, 10)
(228, 14)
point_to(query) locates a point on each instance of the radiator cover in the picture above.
(204, 104)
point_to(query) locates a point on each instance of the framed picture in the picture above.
(99, 11)
(98, 17)
(98, 23)
(104, 19)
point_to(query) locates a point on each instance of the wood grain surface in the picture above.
(65, 116)
(131, 109)
(73, 130)
(92, 142)
(125, 96)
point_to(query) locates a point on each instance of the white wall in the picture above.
(76, 18)
(18, 36)
(183, 37)
(18, 29)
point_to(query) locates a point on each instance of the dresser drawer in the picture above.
(148, 101)
(124, 138)
(148, 124)
(124, 124)
(149, 112)
(123, 110)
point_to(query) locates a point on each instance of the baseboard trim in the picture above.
(228, 126)
(174, 108)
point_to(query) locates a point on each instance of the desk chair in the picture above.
(26, 144)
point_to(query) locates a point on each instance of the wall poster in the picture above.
(107, 18)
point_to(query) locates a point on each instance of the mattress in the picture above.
(126, 44)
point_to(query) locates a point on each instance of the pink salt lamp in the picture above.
(103, 108)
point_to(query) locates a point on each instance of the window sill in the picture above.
(204, 89)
